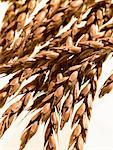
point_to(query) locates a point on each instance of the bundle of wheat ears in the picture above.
(62, 44)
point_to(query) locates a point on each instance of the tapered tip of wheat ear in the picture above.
(54, 51)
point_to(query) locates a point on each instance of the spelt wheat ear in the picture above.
(31, 129)
(81, 121)
(107, 87)
(62, 46)
(14, 21)
(13, 111)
